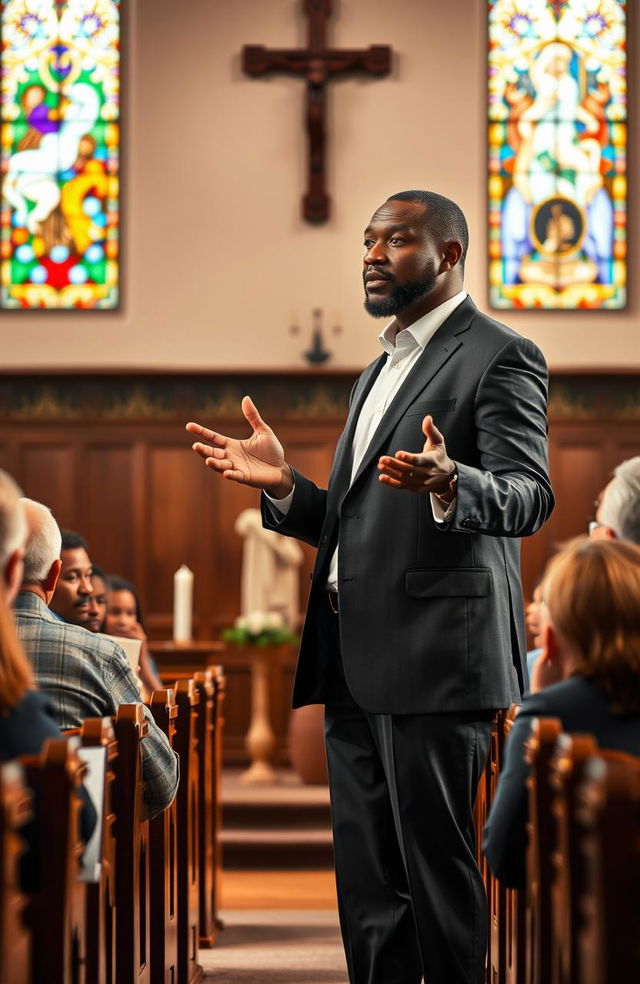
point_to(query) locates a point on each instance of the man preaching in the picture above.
(414, 634)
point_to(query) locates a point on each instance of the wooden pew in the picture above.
(205, 733)
(541, 837)
(480, 812)
(567, 773)
(510, 906)
(132, 850)
(163, 857)
(186, 744)
(56, 910)
(496, 952)
(220, 685)
(98, 733)
(607, 808)
(210, 779)
(15, 937)
(210, 686)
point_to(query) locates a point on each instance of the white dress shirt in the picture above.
(403, 349)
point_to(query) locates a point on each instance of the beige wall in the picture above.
(217, 263)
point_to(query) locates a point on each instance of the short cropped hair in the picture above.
(620, 508)
(591, 589)
(73, 541)
(445, 218)
(13, 525)
(43, 543)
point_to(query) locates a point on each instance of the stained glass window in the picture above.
(557, 142)
(59, 119)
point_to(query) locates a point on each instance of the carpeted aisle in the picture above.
(277, 947)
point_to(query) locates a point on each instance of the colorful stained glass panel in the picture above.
(59, 153)
(557, 153)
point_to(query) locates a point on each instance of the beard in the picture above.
(400, 296)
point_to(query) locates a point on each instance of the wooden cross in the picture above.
(318, 64)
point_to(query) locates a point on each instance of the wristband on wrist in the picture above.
(451, 491)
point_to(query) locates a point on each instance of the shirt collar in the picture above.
(27, 601)
(422, 330)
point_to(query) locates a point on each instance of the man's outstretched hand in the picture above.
(430, 471)
(257, 461)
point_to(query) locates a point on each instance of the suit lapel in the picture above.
(341, 470)
(438, 351)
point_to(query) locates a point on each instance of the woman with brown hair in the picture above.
(588, 676)
(26, 722)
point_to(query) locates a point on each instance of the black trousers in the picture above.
(411, 900)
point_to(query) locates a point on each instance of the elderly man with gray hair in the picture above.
(618, 505)
(26, 716)
(82, 673)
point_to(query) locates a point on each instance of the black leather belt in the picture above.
(333, 602)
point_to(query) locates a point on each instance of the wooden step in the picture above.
(276, 849)
(285, 825)
(240, 816)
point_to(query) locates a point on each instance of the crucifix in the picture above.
(317, 64)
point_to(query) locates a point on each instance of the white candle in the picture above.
(182, 604)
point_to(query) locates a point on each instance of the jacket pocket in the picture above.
(463, 582)
(430, 406)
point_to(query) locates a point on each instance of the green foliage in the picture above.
(258, 629)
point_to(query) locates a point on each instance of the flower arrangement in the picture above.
(258, 629)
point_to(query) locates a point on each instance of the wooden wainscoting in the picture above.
(111, 457)
(109, 454)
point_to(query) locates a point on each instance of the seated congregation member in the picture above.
(617, 517)
(98, 600)
(588, 676)
(82, 674)
(71, 599)
(26, 719)
(617, 514)
(13, 534)
(26, 722)
(533, 619)
(124, 618)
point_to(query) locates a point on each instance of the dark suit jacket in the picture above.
(581, 708)
(431, 616)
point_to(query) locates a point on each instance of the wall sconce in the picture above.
(316, 354)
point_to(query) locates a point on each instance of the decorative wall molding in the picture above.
(304, 397)
(109, 398)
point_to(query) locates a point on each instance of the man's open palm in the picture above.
(430, 471)
(257, 461)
